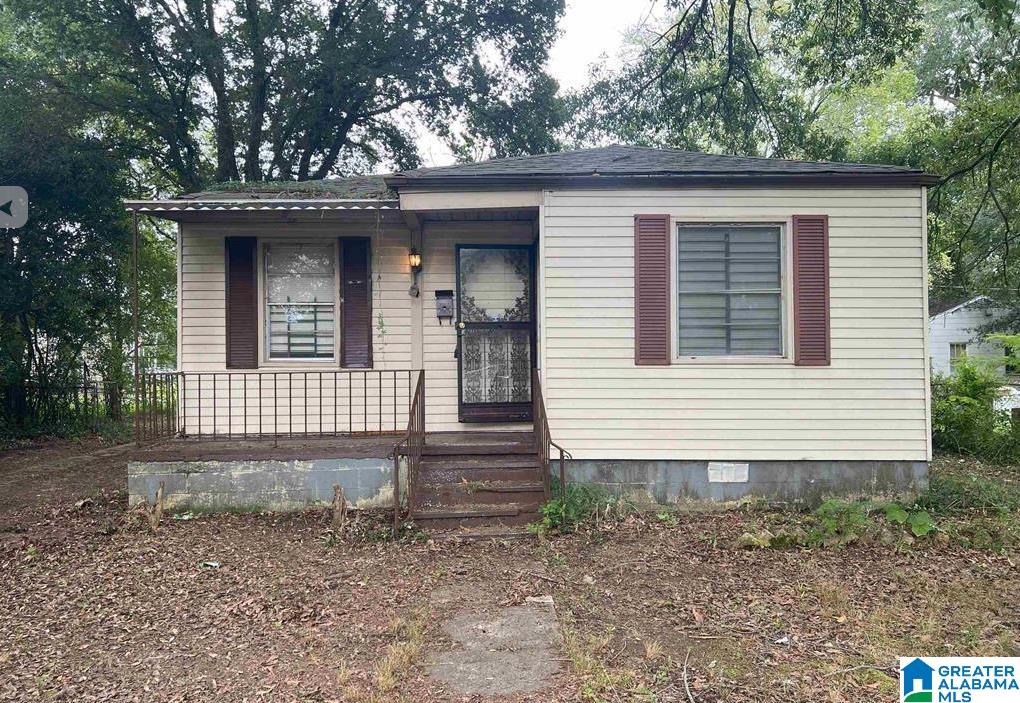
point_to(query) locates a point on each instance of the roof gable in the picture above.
(937, 310)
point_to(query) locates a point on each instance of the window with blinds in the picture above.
(301, 301)
(730, 290)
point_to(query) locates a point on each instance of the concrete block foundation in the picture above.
(256, 485)
(807, 482)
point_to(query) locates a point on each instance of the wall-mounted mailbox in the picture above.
(444, 305)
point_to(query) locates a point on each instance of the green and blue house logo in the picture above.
(960, 679)
(917, 682)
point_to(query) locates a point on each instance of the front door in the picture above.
(496, 332)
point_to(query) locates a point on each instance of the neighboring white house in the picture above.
(957, 331)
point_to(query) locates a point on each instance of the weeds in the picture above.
(954, 493)
(598, 681)
(580, 504)
(401, 655)
(960, 506)
(370, 526)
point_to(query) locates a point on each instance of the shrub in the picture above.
(839, 522)
(964, 418)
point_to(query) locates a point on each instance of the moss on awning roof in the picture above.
(350, 188)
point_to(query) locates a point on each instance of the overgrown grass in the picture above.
(113, 431)
(579, 505)
(956, 493)
(965, 503)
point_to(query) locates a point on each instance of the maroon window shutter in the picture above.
(242, 303)
(651, 290)
(811, 290)
(356, 293)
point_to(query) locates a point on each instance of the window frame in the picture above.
(785, 290)
(954, 360)
(265, 360)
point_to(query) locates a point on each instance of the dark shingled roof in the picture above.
(608, 165)
(937, 307)
(621, 162)
(350, 188)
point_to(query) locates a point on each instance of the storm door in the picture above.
(496, 332)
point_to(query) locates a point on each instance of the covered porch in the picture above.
(444, 298)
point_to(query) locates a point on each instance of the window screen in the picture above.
(730, 290)
(300, 301)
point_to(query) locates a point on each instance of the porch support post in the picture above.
(417, 241)
(136, 335)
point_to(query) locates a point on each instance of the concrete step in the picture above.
(523, 494)
(472, 516)
(488, 461)
(436, 476)
(522, 447)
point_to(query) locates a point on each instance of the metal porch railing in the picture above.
(274, 404)
(411, 446)
(543, 439)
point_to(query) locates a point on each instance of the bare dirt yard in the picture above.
(652, 607)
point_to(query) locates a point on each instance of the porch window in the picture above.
(729, 284)
(301, 301)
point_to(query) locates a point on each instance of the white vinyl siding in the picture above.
(202, 333)
(869, 404)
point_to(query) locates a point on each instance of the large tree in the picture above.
(65, 275)
(62, 273)
(744, 76)
(279, 89)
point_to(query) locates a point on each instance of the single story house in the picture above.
(683, 324)
(955, 331)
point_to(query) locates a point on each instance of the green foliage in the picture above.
(65, 309)
(62, 274)
(745, 78)
(278, 89)
(964, 418)
(977, 506)
(956, 494)
(583, 503)
(514, 121)
(966, 503)
(838, 523)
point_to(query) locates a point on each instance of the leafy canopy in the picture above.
(280, 89)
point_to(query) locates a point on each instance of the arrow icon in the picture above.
(13, 207)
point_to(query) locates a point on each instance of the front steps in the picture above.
(478, 481)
